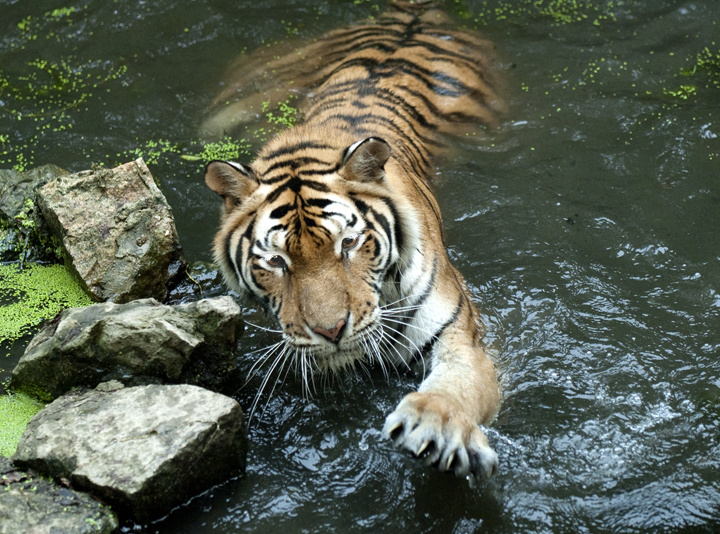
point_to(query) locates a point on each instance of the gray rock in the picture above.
(137, 343)
(34, 505)
(143, 450)
(117, 231)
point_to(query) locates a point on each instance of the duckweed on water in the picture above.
(41, 95)
(16, 410)
(560, 11)
(284, 115)
(227, 149)
(34, 294)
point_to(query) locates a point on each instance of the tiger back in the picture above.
(335, 229)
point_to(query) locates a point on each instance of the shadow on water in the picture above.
(586, 226)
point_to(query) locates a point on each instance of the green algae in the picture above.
(43, 96)
(704, 71)
(284, 115)
(34, 294)
(227, 149)
(277, 118)
(560, 12)
(16, 410)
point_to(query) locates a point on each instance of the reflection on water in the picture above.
(586, 226)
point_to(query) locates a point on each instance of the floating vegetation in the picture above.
(152, 152)
(16, 410)
(41, 96)
(683, 92)
(561, 12)
(34, 294)
(704, 71)
(227, 149)
(284, 114)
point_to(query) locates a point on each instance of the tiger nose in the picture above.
(333, 334)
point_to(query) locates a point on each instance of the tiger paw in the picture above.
(435, 429)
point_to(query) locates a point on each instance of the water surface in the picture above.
(586, 226)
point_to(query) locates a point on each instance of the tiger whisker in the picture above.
(278, 360)
(388, 344)
(262, 359)
(264, 328)
(374, 354)
(414, 350)
(283, 364)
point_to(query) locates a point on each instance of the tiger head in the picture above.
(315, 232)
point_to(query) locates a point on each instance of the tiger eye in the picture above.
(276, 261)
(349, 242)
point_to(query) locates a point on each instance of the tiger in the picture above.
(334, 227)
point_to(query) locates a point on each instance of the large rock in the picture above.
(117, 231)
(34, 505)
(137, 343)
(143, 450)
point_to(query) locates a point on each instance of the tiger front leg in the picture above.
(439, 422)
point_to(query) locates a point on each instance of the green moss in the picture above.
(34, 294)
(20, 238)
(15, 413)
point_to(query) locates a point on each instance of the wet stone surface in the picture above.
(32, 504)
(137, 343)
(143, 450)
(117, 231)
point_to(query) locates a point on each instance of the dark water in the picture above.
(587, 225)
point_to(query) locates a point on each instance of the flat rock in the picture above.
(143, 450)
(34, 505)
(116, 230)
(136, 343)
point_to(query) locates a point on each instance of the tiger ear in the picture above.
(365, 160)
(232, 181)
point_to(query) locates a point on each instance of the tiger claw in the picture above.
(441, 444)
(422, 448)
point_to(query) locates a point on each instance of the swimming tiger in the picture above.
(335, 229)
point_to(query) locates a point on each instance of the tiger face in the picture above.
(314, 241)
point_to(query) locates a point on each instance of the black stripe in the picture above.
(317, 202)
(294, 163)
(246, 236)
(280, 211)
(290, 149)
(294, 184)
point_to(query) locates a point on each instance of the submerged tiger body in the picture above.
(335, 229)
